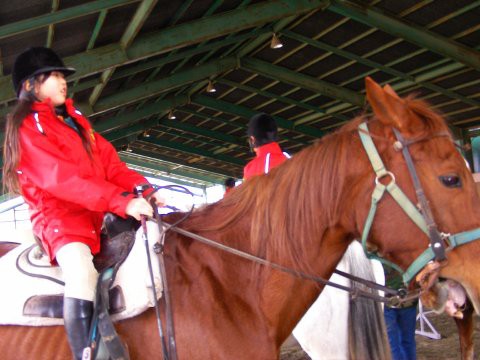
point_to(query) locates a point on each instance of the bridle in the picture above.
(421, 217)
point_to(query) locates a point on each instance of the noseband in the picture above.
(422, 218)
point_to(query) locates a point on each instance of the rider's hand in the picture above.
(159, 199)
(137, 207)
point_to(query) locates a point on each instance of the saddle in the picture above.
(35, 288)
(117, 239)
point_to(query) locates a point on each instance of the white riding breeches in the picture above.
(79, 274)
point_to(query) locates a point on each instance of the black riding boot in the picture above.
(77, 314)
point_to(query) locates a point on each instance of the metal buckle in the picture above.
(387, 173)
(446, 238)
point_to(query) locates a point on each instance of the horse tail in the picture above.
(367, 338)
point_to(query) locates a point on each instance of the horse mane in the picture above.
(296, 201)
(299, 198)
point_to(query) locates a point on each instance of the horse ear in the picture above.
(389, 90)
(387, 106)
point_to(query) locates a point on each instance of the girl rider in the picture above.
(69, 176)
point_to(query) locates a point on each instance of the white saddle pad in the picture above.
(17, 286)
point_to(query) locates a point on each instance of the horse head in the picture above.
(402, 125)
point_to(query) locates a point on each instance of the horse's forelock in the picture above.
(432, 120)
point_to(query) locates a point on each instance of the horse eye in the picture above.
(451, 181)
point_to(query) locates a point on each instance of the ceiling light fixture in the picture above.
(171, 115)
(129, 149)
(211, 87)
(146, 134)
(275, 43)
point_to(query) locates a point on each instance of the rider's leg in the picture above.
(80, 277)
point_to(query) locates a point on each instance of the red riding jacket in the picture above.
(268, 156)
(67, 191)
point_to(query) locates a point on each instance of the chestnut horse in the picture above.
(302, 215)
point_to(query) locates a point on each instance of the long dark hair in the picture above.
(11, 145)
(11, 148)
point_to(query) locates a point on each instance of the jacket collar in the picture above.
(272, 147)
(43, 106)
(47, 106)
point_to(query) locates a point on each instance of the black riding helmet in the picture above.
(230, 182)
(35, 61)
(263, 128)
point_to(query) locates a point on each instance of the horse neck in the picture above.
(288, 227)
(285, 298)
(205, 280)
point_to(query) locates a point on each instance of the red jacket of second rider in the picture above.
(268, 156)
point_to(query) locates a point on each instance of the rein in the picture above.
(422, 218)
(398, 297)
(169, 347)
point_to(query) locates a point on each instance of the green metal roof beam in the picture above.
(254, 43)
(139, 128)
(132, 130)
(194, 151)
(51, 30)
(236, 124)
(213, 118)
(183, 163)
(232, 21)
(97, 90)
(248, 113)
(270, 95)
(102, 58)
(297, 79)
(1, 63)
(408, 31)
(60, 16)
(187, 137)
(407, 84)
(169, 170)
(121, 73)
(209, 12)
(155, 87)
(229, 139)
(91, 43)
(243, 4)
(139, 18)
(377, 66)
(129, 34)
(180, 12)
(96, 29)
(142, 113)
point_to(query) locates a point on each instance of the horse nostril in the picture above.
(451, 181)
